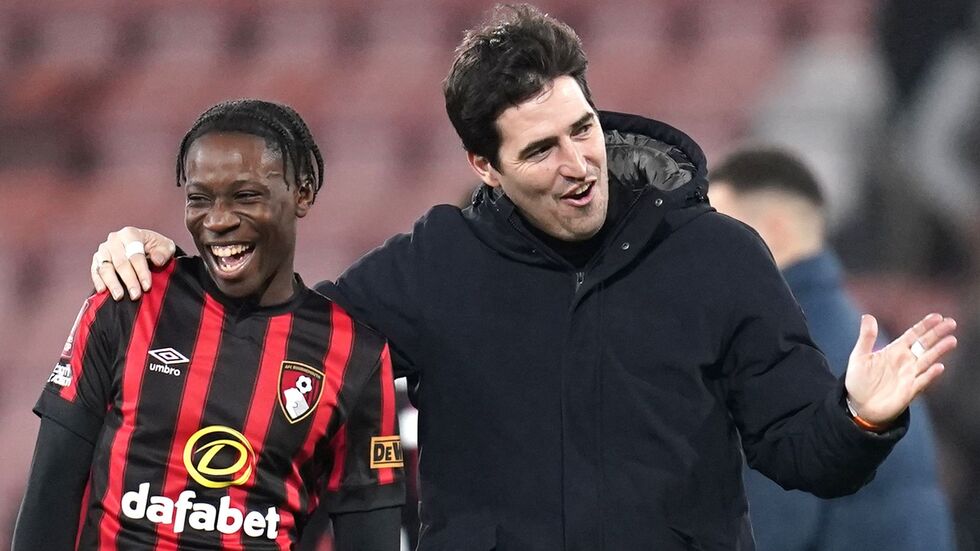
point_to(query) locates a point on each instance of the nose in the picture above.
(573, 164)
(220, 218)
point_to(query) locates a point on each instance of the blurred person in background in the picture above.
(958, 429)
(956, 409)
(590, 346)
(926, 172)
(231, 401)
(775, 193)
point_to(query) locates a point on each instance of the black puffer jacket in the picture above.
(601, 409)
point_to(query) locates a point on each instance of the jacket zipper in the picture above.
(580, 275)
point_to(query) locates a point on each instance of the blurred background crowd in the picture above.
(881, 97)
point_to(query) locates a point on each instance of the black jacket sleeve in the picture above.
(381, 289)
(377, 530)
(52, 504)
(787, 405)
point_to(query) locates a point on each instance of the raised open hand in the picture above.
(881, 384)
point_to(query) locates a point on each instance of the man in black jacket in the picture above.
(903, 509)
(589, 344)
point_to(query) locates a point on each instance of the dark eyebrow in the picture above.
(234, 185)
(530, 148)
(586, 118)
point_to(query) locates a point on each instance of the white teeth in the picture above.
(579, 190)
(223, 251)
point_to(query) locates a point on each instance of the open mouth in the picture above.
(580, 196)
(230, 259)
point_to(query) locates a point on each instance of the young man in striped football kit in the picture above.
(232, 402)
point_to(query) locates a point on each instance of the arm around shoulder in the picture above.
(120, 266)
(382, 290)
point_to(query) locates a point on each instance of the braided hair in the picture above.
(279, 125)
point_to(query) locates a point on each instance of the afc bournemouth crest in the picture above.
(300, 387)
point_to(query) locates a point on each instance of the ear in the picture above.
(481, 165)
(304, 198)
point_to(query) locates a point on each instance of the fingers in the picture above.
(159, 248)
(925, 379)
(94, 275)
(933, 354)
(900, 366)
(121, 260)
(866, 336)
(121, 263)
(932, 343)
(919, 329)
(945, 327)
(112, 266)
(97, 259)
(141, 268)
(104, 273)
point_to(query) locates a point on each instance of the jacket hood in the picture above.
(648, 161)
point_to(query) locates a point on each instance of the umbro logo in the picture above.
(169, 358)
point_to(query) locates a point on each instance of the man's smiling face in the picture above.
(552, 162)
(242, 214)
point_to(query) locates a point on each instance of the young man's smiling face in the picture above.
(242, 214)
(552, 162)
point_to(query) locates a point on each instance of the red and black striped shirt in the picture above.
(221, 424)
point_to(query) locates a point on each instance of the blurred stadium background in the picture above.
(883, 97)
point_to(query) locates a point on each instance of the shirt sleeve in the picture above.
(49, 513)
(79, 390)
(367, 468)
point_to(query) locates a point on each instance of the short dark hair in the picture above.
(768, 168)
(279, 125)
(509, 58)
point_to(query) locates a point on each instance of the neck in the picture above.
(577, 253)
(280, 287)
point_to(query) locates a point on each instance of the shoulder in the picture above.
(431, 235)
(440, 214)
(438, 223)
(362, 335)
(722, 235)
(97, 310)
(182, 268)
(180, 281)
(725, 258)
